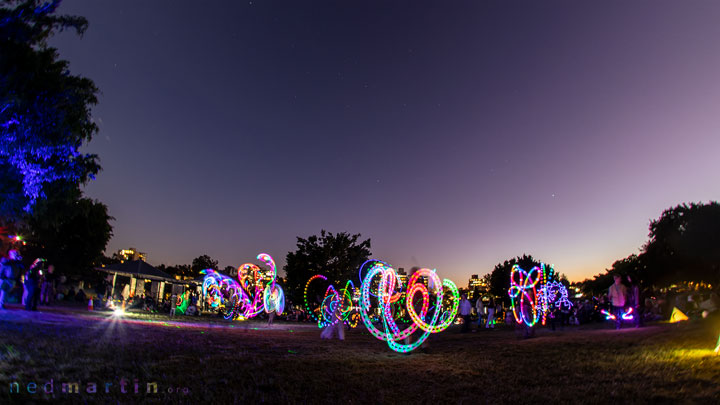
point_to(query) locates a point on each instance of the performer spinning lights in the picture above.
(627, 315)
(388, 292)
(248, 297)
(534, 294)
(523, 294)
(336, 306)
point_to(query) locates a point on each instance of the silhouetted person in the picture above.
(71, 294)
(465, 309)
(634, 301)
(80, 296)
(47, 289)
(10, 270)
(490, 314)
(480, 309)
(32, 285)
(617, 293)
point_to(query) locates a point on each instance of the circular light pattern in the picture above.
(556, 293)
(274, 299)
(336, 306)
(389, 292)
(250, 295)
(530, 292)
(523, 294)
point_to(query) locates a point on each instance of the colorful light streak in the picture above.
(247, 297)
(389, 293)
(336, 306)
(533, 293)
(627, 315)
(523, 294)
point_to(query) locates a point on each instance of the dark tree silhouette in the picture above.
(337, 256)
(68, 230)
(201, 263)
(684, 245)
(629, 266)
(500, 276)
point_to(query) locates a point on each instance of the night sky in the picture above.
(454, 134)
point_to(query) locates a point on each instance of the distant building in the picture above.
(476, 284)
(402, 276)
(131, 254)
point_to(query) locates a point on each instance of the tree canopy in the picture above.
(69, 230)
(629, 266)
(44, 110)
(683, 246)
(201, 263)
(499, 281)
(337, 256)
(192, 270)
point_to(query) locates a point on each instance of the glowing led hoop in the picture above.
(327, 313)
(535, 294)
(523, 294)
(247, 297)
(387, 295)
(274, 297)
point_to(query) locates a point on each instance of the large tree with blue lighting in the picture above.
(45, 118)
(44, 110)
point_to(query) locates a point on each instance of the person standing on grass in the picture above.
(126, 292)
(32, 285)
(480, 309)
(617, 295)
(337, 326)
(634, 302)
(11, 269)
(490, 324)
(465, 309)
(173, 304)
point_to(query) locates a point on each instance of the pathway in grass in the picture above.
(247, 361)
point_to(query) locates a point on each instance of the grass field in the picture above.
(215, 363)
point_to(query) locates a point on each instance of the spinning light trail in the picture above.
(336, 306)
(389, 292)
(523, 294)
(532, 293)
(627, 315)
(252, 294)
